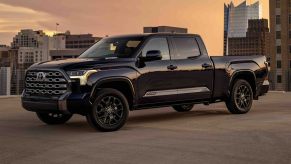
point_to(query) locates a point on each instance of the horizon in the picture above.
(98, 19)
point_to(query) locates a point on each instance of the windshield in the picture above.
(113, 48)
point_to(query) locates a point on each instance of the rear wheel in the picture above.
(54, 118)
(109, 112)
(241, 97)
(183, 108)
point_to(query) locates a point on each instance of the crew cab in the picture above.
(129, 72)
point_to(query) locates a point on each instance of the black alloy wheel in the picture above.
(110, 110)
(241, 98)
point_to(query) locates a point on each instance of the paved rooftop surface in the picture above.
(208, 134)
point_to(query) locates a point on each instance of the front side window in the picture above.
(122, 47)
(160, 44)
(186, 47)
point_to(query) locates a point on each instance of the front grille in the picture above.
(45, 83)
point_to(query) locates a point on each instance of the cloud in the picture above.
(14, 18)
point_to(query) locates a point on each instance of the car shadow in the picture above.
(77, 124)
(168, 116)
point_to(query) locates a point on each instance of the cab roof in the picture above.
(154, 34)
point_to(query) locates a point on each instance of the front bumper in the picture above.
(263, 88)
(69, 103)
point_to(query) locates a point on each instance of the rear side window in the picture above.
(186, 47)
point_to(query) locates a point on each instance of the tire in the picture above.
(183, 108)
(109, 111)
(54, 118)
(241, 98)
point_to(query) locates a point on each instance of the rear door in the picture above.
(193, 69)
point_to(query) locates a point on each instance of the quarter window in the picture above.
(160, 44)
(186, 47)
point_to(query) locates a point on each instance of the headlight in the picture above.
(77, 73)
(82, 75)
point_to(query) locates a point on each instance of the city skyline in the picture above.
(109, 18)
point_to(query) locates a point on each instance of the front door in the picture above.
(155, 82)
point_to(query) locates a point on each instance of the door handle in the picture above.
(207, 66)
(172, 67)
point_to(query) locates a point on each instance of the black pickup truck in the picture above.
(130, 72)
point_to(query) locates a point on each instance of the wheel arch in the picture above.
(247, 75)
(122, 84)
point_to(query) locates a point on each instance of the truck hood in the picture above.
(80, 63)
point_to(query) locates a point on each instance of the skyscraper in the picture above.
(256, 41)
(236, 20)
(5, 72)
(28, 47)
(280, 44)
(5, 77)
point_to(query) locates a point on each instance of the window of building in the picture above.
(289, 34)
(290, 49)
(187, 47)
(279, 78)
(277, 3)
(279, 64)
(278, 19)
(278, 34)
(278, 49)
(290, 64)
(289, 18)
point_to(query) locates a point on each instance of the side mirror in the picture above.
(153, 55)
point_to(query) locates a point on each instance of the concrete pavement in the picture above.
(207, 134)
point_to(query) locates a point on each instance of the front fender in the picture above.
(115, 75)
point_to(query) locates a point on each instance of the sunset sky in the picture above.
(110, 17)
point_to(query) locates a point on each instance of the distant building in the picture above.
(67, 45)
(4, 56)
(5, 77)
(165, 29)
(37, 40)
(236, 20)
(5, 71)
(3, 46)
(280, 43)
(256, 41)
(65, 53)
(80, 41)
(28, 47)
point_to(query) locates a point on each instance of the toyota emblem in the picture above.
(40, 76)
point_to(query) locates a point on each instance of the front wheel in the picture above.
(241, 98)
(54, 118)
(109, 112)
(183, 108)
